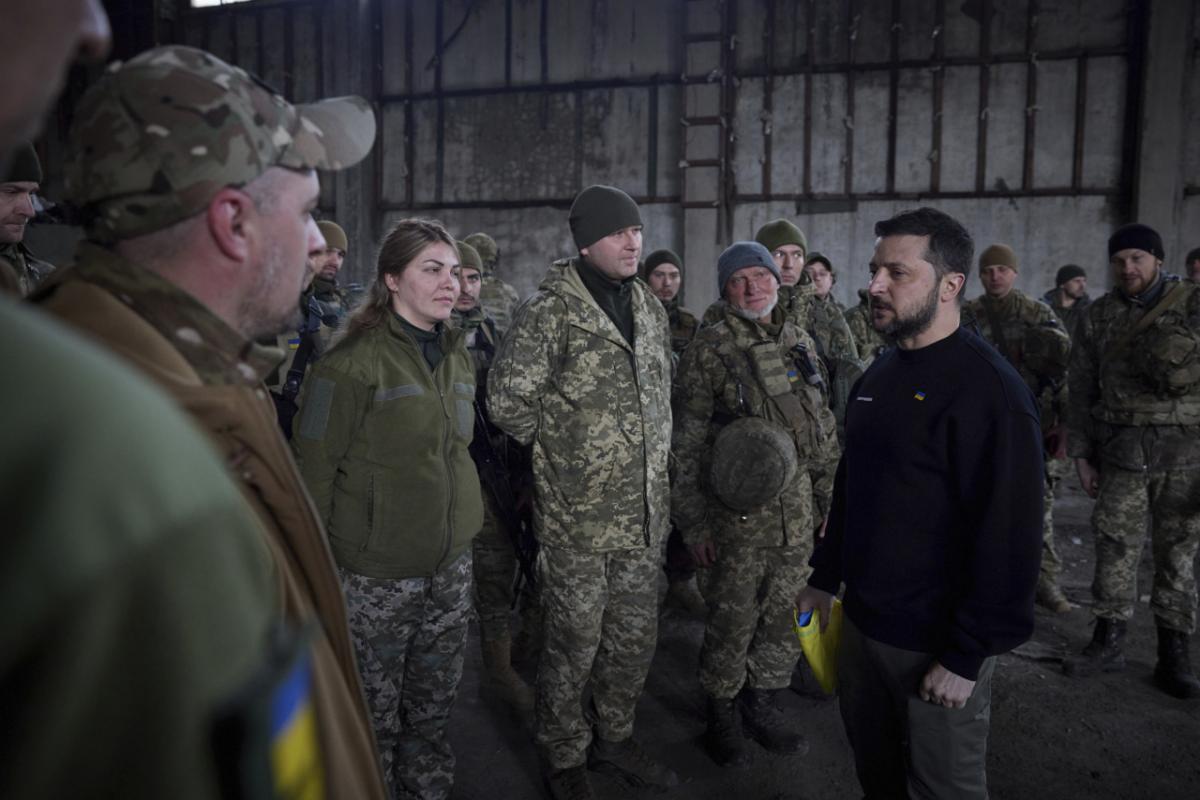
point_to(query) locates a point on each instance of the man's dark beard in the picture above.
(915, 324)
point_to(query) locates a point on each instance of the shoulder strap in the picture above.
(1172, 298)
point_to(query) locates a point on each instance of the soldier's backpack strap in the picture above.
(1173, 297)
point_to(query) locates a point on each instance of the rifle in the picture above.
(494, 478)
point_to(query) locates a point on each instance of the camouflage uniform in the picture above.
(680, 566)
(20, 270)
(1032, 339)
(493, 555)
(499, 299)
(683, 325)
(410, 635)
(828, 329)
(1135, 414)
(597, 411)
(762, 555)
(869, 341)
(1069, 317)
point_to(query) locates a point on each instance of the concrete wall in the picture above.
(1022, 121)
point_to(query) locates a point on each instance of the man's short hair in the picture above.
(1192, 255)
(950, 248)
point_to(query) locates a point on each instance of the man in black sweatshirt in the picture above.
(935, 526)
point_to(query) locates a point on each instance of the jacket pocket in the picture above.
(371, 515)
(464, 409)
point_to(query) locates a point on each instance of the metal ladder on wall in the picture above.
(706, 127)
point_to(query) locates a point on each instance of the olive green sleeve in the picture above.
(333, 406)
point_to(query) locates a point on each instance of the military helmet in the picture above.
(1046, 351)
(753, 459)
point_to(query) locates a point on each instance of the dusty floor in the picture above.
(1115, 736)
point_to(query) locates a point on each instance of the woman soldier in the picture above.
(384, 426)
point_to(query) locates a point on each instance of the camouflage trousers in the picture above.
(496, 569)
(1051, 562)
(600, 612)
(409, 637)
(749, 640)
(1171, 500)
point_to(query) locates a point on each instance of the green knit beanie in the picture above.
(599, 211)
(469, 257)
(486, 246)
(24, 166)
(998, 254)
(777, 233)
(658, 257)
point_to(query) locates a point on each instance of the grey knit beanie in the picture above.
(741, 255)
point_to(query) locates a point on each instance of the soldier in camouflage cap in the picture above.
(196, 183)
(1134, 420)
(584, 375)
(1029, 335)
(755, 365)
(499, 299)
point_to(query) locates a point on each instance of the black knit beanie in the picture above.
(24, 166)
(663, 256)
(1068, 272)
(601, 210)
(1135, 234)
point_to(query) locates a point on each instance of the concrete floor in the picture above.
(1051, 737)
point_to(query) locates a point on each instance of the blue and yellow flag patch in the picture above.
(295, 752)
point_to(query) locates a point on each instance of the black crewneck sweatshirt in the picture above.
(936, 523)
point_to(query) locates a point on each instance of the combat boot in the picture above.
(1173, 673)
(685, 595)
(629, 762)
(501, 681)
(723, 739)
(569, 784)
(1050, 595)
(765, 723)
(1102, 653)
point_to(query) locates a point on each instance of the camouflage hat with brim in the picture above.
(157, 137)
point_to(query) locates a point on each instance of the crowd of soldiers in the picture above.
(206, 596)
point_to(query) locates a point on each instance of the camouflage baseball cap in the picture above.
(158, 136)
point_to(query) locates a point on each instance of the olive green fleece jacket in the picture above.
(382, 444)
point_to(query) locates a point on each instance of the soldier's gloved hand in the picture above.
(811, 598)
(704, 553)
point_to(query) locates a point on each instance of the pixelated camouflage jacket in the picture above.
(867, 340)
(596, 410)
(216, 376)
(1123, 380)
(499, 300)
(716, 385)
(1033, 340)
(20, 270)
